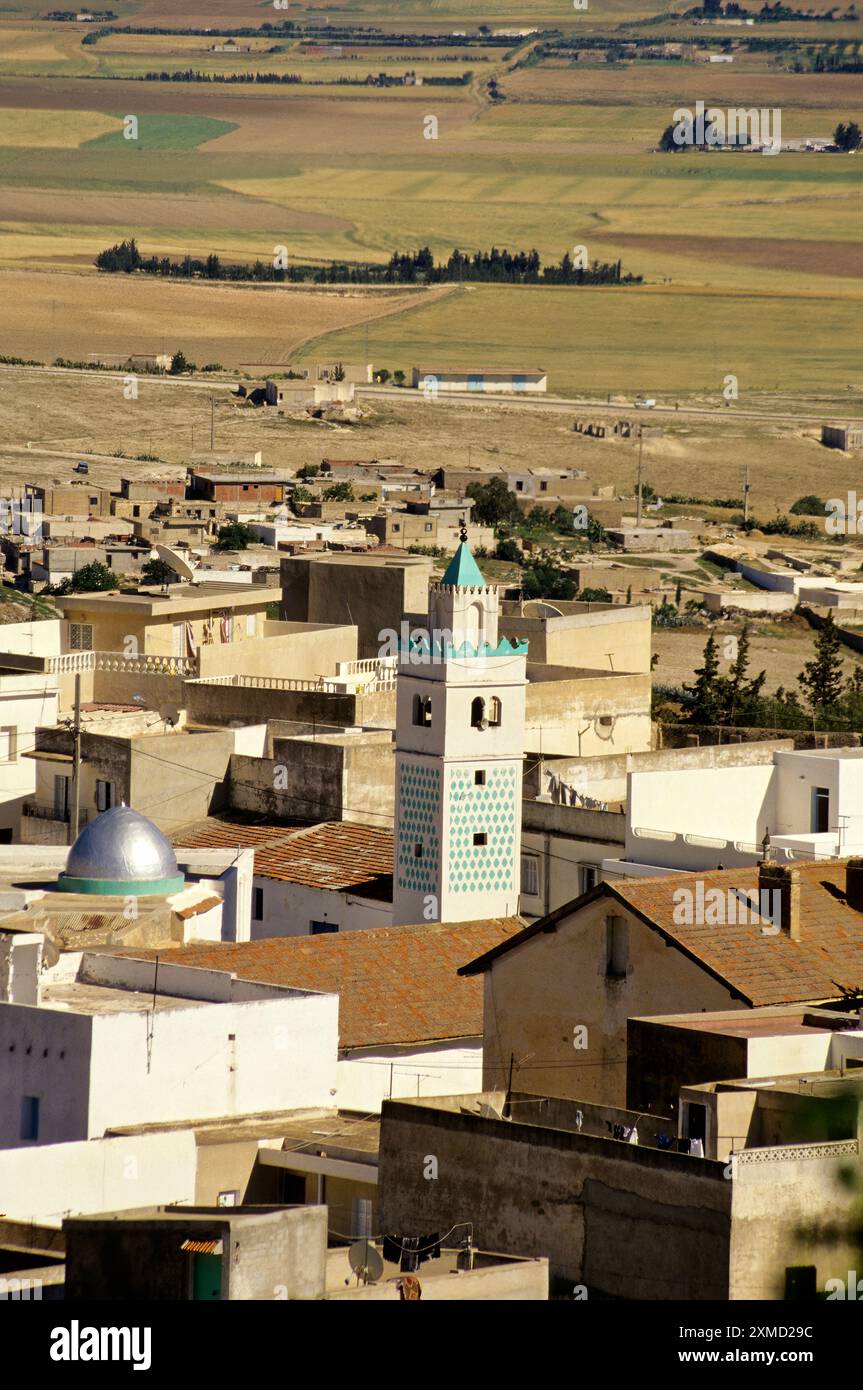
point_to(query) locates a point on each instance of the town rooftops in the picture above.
(334, 854)
(396, 985)
(759, 967)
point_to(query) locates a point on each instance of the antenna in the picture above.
(365, 1261)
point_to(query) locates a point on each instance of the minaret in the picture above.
(459, 751)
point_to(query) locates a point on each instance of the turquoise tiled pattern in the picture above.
(476, 868)
(419, 802)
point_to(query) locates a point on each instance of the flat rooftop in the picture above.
(758, 1023)
(340, 1133)
(77, 997)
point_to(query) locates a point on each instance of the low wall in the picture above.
(222, 704)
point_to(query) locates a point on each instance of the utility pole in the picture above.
(746, 493)
(638, 485)
(212, 424)
(75, 809)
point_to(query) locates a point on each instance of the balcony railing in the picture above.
(150, 665)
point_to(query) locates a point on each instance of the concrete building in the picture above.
(182, 623)
(664, 945)
(79, 498)
(460, 731)
(431, 380)
(308, 395)
(379, 591)
(842, 436)
(792, 805)
(631, 1218)
(118, 1041)
(318, 775)
(184, 1254)
(407, 1023)
(591, 636)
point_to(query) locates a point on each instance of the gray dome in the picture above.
(121, 852)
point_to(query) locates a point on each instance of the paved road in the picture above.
(568, 406)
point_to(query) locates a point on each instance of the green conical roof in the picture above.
(462, 572)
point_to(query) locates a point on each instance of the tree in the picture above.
(739, 694)
(179, 363)
(399, 378)
(678, 593)
(309, 470)
(847, 137)
(810, 505)
(706, 705)
(494, 504)
(667, 142)
(508, 550)
(338, 372)
(821, 678)
(594, 596)
(89, 579)
(339, 492)
(235, 536)
(382, 376)
(157, 572)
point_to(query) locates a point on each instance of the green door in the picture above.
(207, 1278)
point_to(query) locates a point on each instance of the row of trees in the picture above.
(825, 697)
(498, 265)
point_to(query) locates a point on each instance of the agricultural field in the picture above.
(751, 265)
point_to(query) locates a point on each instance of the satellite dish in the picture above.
(365, 1261)
(175, 561)
(169, 714)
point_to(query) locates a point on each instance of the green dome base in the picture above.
(119, 888)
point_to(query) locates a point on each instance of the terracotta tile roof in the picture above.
(396, 985)
(761, 968)
(335, 854)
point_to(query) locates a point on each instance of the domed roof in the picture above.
(121, 852)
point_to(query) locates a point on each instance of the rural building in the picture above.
(152, 488)
(842, 436)
(251, 488)
(70, 499)
(589, 636)
(56, 561)
(305, 395)
(359, 373)
(625, 949)
(134, 362)
(498, 382)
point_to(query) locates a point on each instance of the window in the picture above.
(81, 637)
(228, 1199)
(820, 810)
(543, 487)
(423, 711)
(418, 850)
(8, 743)
(477, 713)
(29, 1117)
(479, 778)
(589, 874)
(696, 1121)
(530, 875)
(519, 487)
(321, 928)
(494, 711)
(616, 947)
(257, 904)
(104, 795)
(250, 624)
(429, 526)
(480, 838)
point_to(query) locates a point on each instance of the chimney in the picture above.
(854, 883)
(783, 881)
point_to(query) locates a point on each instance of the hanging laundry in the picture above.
(696, 1148)
(633, 1135)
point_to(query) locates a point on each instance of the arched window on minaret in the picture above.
(423, 711)
(494, 711)
(477, 712)
(475, 624)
